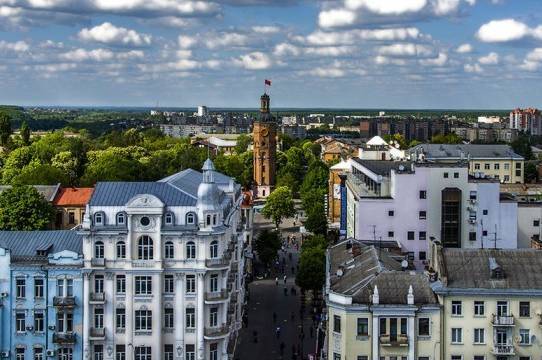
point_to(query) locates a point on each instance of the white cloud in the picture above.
(350, 37)
(405, 50)
(266, 29)
(254, 61)
(336, 18)
(387, 7)
(226, 40)
(324, 72)
(53, 68)
(473, 68)
(533, 60)
(490, 59)
(186, 42)
(110, 34)
(440, 60)
(184, 54)
(502, 31)
(285, 49)
(79, 55)
(464, 49)
(18, 46)
(329, 50)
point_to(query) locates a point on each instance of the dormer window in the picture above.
(121, 219)
(208, 220)
(190, 219)
(214, 219)
(169, 219)
(99, 218)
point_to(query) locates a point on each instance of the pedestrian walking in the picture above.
(276, 280)
(277, 332)
(284, 278)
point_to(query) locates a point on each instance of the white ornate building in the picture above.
(163, 268)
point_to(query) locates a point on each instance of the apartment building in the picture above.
(497, 161)
(412, 202)
(492, 301)
(527, 120)
(41, 295)
(163, 268)
(377, 311)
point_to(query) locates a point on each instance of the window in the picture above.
(445, 175)
(169, 284)
(518, 172)
(120, 352)
(391, 213)
(213, 249)
(99, 218)
(121, 219)
(143, 320)
(536, 223)
(423, 326)
(457, 308)
(145, 248)
(213, 317)
(213, 351)
(169, 252)
(145, 221)
(423, 194)
(99, 284)
(190, 318)
(64, 287)
(457, 335)
(19, 353)
(214, 219)
(337, 356)
(98, 318)
(479, 336)
(190, 250)
(121, 250)
(391, 234)
(20, 322)
(487, 166)
(473, 195)
(213, 283)
(169, 219)
(479, 308)
(143, 353)
(383, 326)
(20, 288)
(190, 284)
(456, 175)
(337, 324)
(410, 235)
(363, 327)
(422, 255)
(99, 250)
(120, 318)
(484, 232)
(423, 235)
(423, 215)
(190, 218)
(168, 352)
(506, 166)
(479, 357)
(525, 336)
(38, 353)
(208, 220)
(143, 285)
(39, 322)
(169, 319)
(496, 166)
(38, 288)
(121, 284)
(98, 352)
(477, 166)
(64, 322)
(524, 309)
(485, 212)
(190, 352)
(502, 308)
(457, 357)
(472, 236)
(518, 165)
(362, 357)
(506, 178)
(65, 353)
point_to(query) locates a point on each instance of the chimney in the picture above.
(410, 296)
(376, 298)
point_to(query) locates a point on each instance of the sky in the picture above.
(386, 54)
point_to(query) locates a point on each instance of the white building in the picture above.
(529, 229)
(163, 268)
(412, 202)
(378, 149)
(203, 111)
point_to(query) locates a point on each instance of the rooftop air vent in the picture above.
(496, 270)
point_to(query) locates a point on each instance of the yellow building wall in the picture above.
(506, 167)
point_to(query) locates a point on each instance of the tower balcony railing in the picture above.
(394, 340)
(64, 338)
(221, 295)
(97, 297)
(97, 262)
(503, 320)
(64, 301)
(503, 349)
(97, 333)
(219, 331)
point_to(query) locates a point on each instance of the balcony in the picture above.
(64, 338)
(217, 332)
(97, 333)
(97, 262)
(216, 296)
(97, 298)
(64, 301)
(507, 320)
(504, 350)
(394, 340)
(222, 262)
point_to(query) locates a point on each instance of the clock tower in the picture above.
(265, 150)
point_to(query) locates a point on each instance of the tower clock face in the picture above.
(264, 132)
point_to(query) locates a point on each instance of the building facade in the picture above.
(265, 150)
(70, 204)
(527, 120)
(41, 295)
(163, 268)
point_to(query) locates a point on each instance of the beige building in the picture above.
(492, 303)
(497, 161)
(334, 190)
(377, 311)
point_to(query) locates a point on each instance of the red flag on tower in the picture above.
(267, 82)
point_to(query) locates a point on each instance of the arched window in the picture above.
(214, 249)
(144, 248)
(190, 219)
(121, 250)
(208, 220)
(99, 250)
(169, 252)
(190, 250)
(169, 219)
(214, 219)
(99, 218)
(121, 219)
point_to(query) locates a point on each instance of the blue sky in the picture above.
(334, 53)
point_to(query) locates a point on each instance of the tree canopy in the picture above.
(23, 208)
(279, 205)
(311, 274)
(267, 245)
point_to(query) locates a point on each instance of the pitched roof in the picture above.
(47, 191)
(73, 196)
(454, 151)
(27, 243)
(470, 268)
(383, 167)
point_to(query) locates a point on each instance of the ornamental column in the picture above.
(411, 337)
(109, 314)
(179, 315)
(201, 317)
(86, 315)
(376, 337)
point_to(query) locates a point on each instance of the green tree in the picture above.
(279, 205)
(41, 174)
(23, 208)
(25, 133)
(5, 129)
(522, 146)
(316, 221)
(267, 245)
(111, 166)
(243, 141)
(311, 274)
(531, 172)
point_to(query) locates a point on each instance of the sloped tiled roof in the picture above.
(73, 196)
(119, 193)
(27, 243)
(383, 167)
(442, 151)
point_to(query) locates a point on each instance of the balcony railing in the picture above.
(98, 262)
(64, 338)
(219, 331)
(216, 296)
(500, 320)
(394, 340)
(97, 297)
(64, 301)
(503, 349)
(217, 263)
(97, 333)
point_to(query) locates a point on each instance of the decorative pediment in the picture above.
(145, 201)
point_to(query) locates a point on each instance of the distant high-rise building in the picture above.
(265, 150)
(528, 120)
(203, 111)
